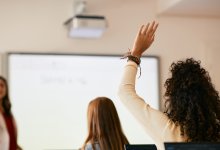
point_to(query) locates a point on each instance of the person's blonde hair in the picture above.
(104, 126)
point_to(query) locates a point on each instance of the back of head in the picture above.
(192, 101)
(104, 125)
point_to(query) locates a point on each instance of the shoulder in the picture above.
(89, 146)
(172, 132)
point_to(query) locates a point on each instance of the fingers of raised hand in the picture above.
(149, 29)
(143, 29)
(154, 28)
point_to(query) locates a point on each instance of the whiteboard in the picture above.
(50, 94)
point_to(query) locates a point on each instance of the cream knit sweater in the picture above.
(155, 123)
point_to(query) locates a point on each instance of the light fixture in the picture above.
(85, 26)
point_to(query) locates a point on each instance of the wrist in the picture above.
(135, 59)
(131, 57)
(136, 54)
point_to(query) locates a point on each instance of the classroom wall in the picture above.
(37, 26)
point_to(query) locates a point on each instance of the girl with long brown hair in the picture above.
(104, 127)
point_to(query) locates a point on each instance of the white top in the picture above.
(89, 146)
(4, 136)
(156, 124)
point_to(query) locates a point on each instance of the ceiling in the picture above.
(195, 8)
(199, 8)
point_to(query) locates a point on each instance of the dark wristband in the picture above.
(134, 59)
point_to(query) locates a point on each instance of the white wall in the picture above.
(30, 25)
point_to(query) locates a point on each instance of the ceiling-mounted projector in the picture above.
(82, 25)
(86, 26)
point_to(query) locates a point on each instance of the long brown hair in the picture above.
(6, 104)
(104, 126)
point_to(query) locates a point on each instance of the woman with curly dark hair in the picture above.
(192, 107)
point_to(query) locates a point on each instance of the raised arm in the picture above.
(152, 120)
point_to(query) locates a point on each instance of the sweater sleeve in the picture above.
(152, 120)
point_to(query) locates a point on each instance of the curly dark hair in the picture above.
(192, 101)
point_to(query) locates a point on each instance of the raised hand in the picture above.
(144, 39)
